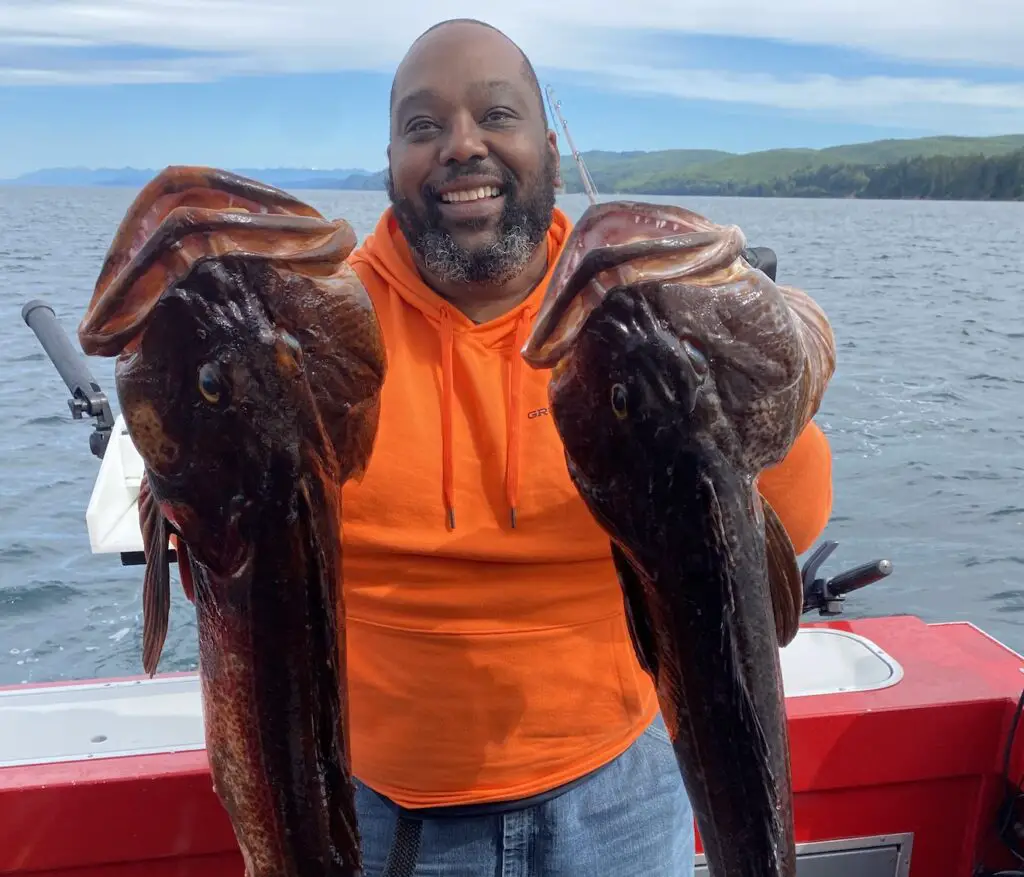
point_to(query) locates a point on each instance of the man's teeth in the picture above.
(471, 194)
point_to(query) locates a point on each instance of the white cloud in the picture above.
(978, 31)
(951, 105)
(268, 36)
(134, 75)
(15, 39)
(818, 91)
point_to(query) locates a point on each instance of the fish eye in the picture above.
(620, 400)
(211, 384)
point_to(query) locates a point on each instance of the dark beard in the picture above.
(523, 225)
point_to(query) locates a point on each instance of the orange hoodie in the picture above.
(487, 661)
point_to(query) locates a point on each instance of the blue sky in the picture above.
(250, 83)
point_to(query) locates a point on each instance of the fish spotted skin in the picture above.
(678, 375)
(249, 371)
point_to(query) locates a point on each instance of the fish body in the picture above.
(249, 370)
(679, 374)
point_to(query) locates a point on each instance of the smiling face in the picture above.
(472, 164)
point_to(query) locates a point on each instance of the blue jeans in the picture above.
(631, 818)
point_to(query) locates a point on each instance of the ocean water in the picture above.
(925, 414)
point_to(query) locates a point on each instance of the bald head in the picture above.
(464, 30)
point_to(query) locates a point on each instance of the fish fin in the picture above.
(784, 581)
(326, 608)
(156, 585)
(345, 379)
(185, 568)
(639, 624)
(819, 344)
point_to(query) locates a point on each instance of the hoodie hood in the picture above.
(388, 254)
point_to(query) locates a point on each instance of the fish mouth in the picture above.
(622, 243)
(196, 187)
(188, 214)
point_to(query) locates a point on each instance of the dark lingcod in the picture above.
(249, 369)
(679, 373)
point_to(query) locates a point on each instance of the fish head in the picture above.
(248, 353)
(662, 341)
(215, 399)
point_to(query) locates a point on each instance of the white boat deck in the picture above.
(77, 722)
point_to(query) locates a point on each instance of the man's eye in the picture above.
(499, 116)
(418, 126)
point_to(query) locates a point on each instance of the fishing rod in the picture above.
(763, 259)
(556, 110)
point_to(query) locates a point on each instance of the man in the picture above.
(501, 724)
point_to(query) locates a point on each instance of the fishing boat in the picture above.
(905, 755)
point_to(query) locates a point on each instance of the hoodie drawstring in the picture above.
(514, 409)
(447, 394)
(514, 412)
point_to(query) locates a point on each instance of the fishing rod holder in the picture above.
(761, 259)
(86, 396)
(828, 595)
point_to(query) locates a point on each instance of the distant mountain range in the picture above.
(131, 177)
(663, 172)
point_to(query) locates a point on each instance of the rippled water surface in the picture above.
(925, 415)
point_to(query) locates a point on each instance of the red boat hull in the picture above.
(917, 767)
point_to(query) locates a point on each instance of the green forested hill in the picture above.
(838, 170)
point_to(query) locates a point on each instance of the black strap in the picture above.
(405, 844)
(405, 847)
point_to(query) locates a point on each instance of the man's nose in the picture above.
(463, 142)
